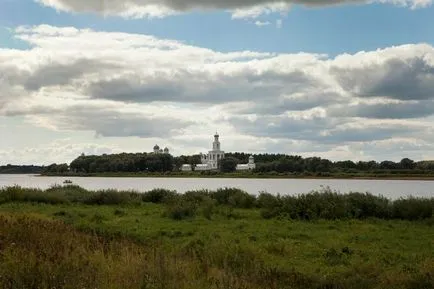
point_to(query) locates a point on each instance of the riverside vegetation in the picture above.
(267, 166)
(69, 237)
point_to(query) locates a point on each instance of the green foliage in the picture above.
(412, 209)
(15, 169)
(267, 165)
(113, 197)
(124, 162)
(198, 196)
(324, 204)
(158, 196)
(18, 194)
(72, 193)
(314, 166)
(233, 197)
(228, 165)
(180, 209)
(327, 204)
(56, 169)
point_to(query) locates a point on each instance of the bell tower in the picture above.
(216, 143)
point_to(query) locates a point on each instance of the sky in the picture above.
(338, 79)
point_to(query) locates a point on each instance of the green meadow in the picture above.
(68, 237)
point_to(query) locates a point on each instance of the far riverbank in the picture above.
(249, 175)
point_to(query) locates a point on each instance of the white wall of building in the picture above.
(186, 168)
(202, 167)
(249, 166)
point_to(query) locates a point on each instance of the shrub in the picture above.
(234, 197)
(18, 194)
(198, 196)
(271, 206)
(72, 193)
(412, 209)
(266, 200)
(158, 196)
(113, 197)
(179, 209)
(367, 205)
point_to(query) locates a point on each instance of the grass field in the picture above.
(115, 242)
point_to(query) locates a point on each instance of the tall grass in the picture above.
(37, 253)
(324, 204)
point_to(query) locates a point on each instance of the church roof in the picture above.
(156, 147)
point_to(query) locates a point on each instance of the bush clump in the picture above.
(327, 204)
(180, 209)
(113, 197)
(158, 196)
(234, 197)
(412, 209)
(18, 194)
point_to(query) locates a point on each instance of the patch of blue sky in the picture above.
(332, 30)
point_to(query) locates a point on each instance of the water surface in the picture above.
(389, 188)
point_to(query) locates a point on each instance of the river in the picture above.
(392, 189)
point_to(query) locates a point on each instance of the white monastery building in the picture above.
(210, 160)
(186, 168)
(249, 166)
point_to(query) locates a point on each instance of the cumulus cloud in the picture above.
(128, 85)
(382, 109)
(240, 9)
(405, 72)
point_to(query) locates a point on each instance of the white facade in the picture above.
(201, 167)
(249, 166)
(210, 160)
(186, 168)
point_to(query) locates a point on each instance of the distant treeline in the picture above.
(13, 169)
(265, 163)
(286, 163)
(125, 162)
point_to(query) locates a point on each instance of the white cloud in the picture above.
(413, 4)
(259, 10)
(129, 86)
(262, 23)
(239, 8)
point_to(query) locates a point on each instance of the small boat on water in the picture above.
(67, 182)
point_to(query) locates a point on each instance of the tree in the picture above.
(228, 165)
(407, 164)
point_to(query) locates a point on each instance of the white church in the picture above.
(157, 150)
(210, 160)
